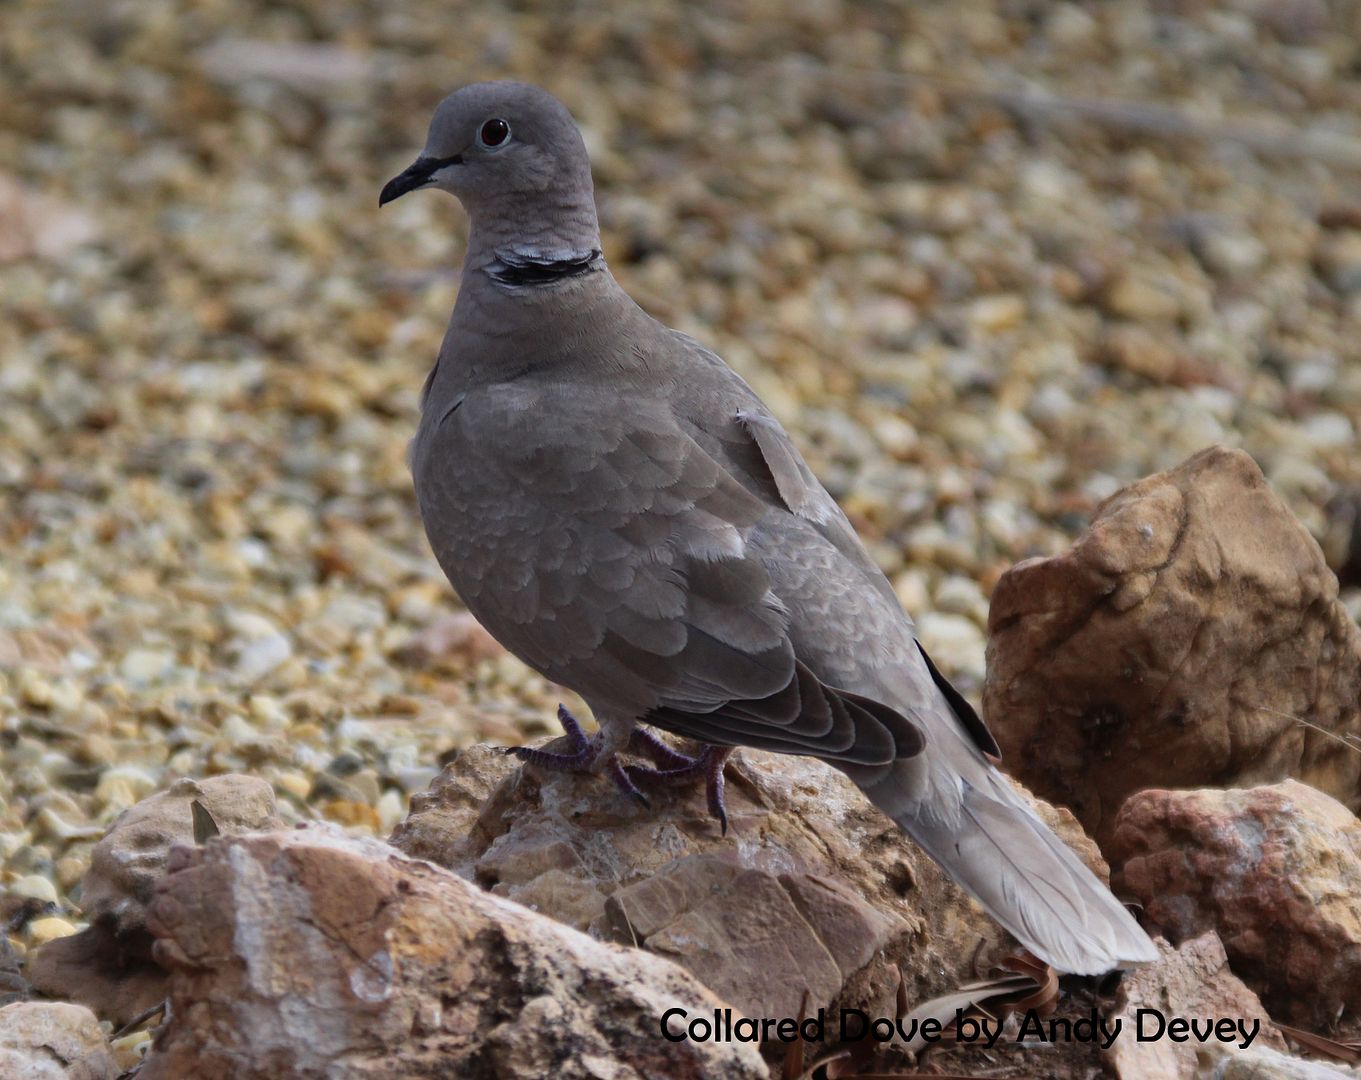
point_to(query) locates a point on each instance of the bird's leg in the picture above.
(709, 764)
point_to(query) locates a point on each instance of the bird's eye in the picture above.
(494, 133)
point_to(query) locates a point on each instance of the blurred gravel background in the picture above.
(987, 260)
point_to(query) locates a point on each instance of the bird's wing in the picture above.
(614, 556)
(755, 448)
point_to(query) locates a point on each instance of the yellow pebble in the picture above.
(294, 784)
(41, 931)
(352, 814)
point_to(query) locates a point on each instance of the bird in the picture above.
(622, 512)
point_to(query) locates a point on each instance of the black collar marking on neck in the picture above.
(518, 269)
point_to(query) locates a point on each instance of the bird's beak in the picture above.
(417, 174)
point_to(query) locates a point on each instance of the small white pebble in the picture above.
(960, 595)
(955, 643)
(391, 809)
(34, 887)
(260, 656)
(266, 711)
(144, 666)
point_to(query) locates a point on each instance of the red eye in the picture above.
(494, 132)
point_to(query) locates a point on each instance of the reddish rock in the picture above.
(312, 955)
(1191, 637)
(1275, 871)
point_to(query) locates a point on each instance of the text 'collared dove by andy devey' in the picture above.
(620, 510)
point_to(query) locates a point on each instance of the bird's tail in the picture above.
(1006, 858)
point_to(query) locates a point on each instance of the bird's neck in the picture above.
(529, 301)
(534, 244)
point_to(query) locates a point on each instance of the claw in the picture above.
(713, 786)
(708, 764)
(625, 783)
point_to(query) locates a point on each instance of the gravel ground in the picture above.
(979, 312)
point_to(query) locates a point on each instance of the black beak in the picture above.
(417, 174)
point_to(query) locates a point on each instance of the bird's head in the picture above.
(494, 144)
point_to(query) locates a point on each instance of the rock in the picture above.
(1129, 347)
(1268, 1064)
(1193, 981)
(34, 887)
(41, 931)
(36, 223)
(1184, 640)
(257, 657)
(311, 954)
(1142, 297)
(811, 886)
(1342, 536)
(306, 66)
(1339, 260)
(53, 1041)
(108, 966)
(994, 314)
(13, 986)
(1275, 871)
(453, 640)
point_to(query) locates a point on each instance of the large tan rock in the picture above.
(812, 887)
(1275, 871)
(1191, 637)
(310, 954)
(108, 966)
(1186, 983)
(47, 1040)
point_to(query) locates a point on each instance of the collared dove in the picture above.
(622, 512)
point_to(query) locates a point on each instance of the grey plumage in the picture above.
(623, 513)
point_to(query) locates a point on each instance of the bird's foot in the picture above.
(708, 764)
(586, 756)
(673, 766)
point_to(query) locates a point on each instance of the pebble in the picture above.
(1143, 298)
(993, 314)
(391, 809)
(960, 595)
(125, 784)
(146, 665)
(1329, 430)
(257, 657)
(41, 931)
(34, 887)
